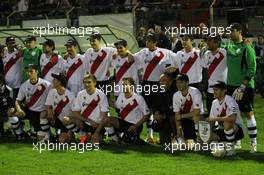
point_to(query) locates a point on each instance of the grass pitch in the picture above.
(20, 158)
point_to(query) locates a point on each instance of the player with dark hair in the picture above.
(50, 61)
(187, 105)
(241, 64)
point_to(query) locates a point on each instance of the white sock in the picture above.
(44, 124)
(252, 129)
(149, 127)
(111, 133)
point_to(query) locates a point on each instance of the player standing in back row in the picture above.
(241, 64)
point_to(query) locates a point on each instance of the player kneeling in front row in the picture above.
(187, 105)
(133, 113)
(8, 112)
(34, 92)
(225, 112)
(89, 108)
(58, 106)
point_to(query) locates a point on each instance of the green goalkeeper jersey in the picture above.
(30, 56)
(241, 64)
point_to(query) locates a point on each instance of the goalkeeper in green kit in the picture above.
(241, 63)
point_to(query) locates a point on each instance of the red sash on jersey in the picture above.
(128, 109)
(223, 112)
(73, 68)
(122, 70)
(61, 105)
(214, 64)
(89, 109)
(11, 62)
(37, 94)
(98, 60)
(54, 60)
(152, 64)
(187, 106)
(189, 63)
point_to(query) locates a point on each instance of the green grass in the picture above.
(20, 158)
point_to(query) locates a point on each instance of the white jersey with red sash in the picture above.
(154, 63)
(60, 104)
(34, 95)
(12, 69)
(99, 62)
(50, 65)
(91, 106)
(186, 104)
(225, 108)
(75, 71)
(132, 109)
(189, 63)
(216, 67)
(123, 69)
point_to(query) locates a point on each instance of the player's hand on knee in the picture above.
(66, 120)
(20, 113)
(10, 112)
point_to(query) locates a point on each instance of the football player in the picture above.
(187, 105)
(12, 65)
(225, 112)
(50, 62)
(74, 67)
(154, 61)
(133, 112)
(58, 106)
(241, 65)
(215, 63)
(31, 100)
(89, 108)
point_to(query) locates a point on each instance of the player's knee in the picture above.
(228, 125)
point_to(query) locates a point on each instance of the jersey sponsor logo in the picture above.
(214, 64)
(123, 69)
(90, 108)
(60, 106)
(36, 95)
(53, 61)
(73, 68)
(97, 62)
(152, 64)
(128, 108)
(189, 63)
(187, 106)
(11, 62)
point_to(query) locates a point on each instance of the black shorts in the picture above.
(209, 100)
(59, 125)
(247, 102)
(148, 95)
(221, 134)
(124, 125)
(188, 129)
(89, 129)
(34, 118)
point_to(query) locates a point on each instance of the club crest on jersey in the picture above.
(183, 62)
(33, 53)
(238, 51)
